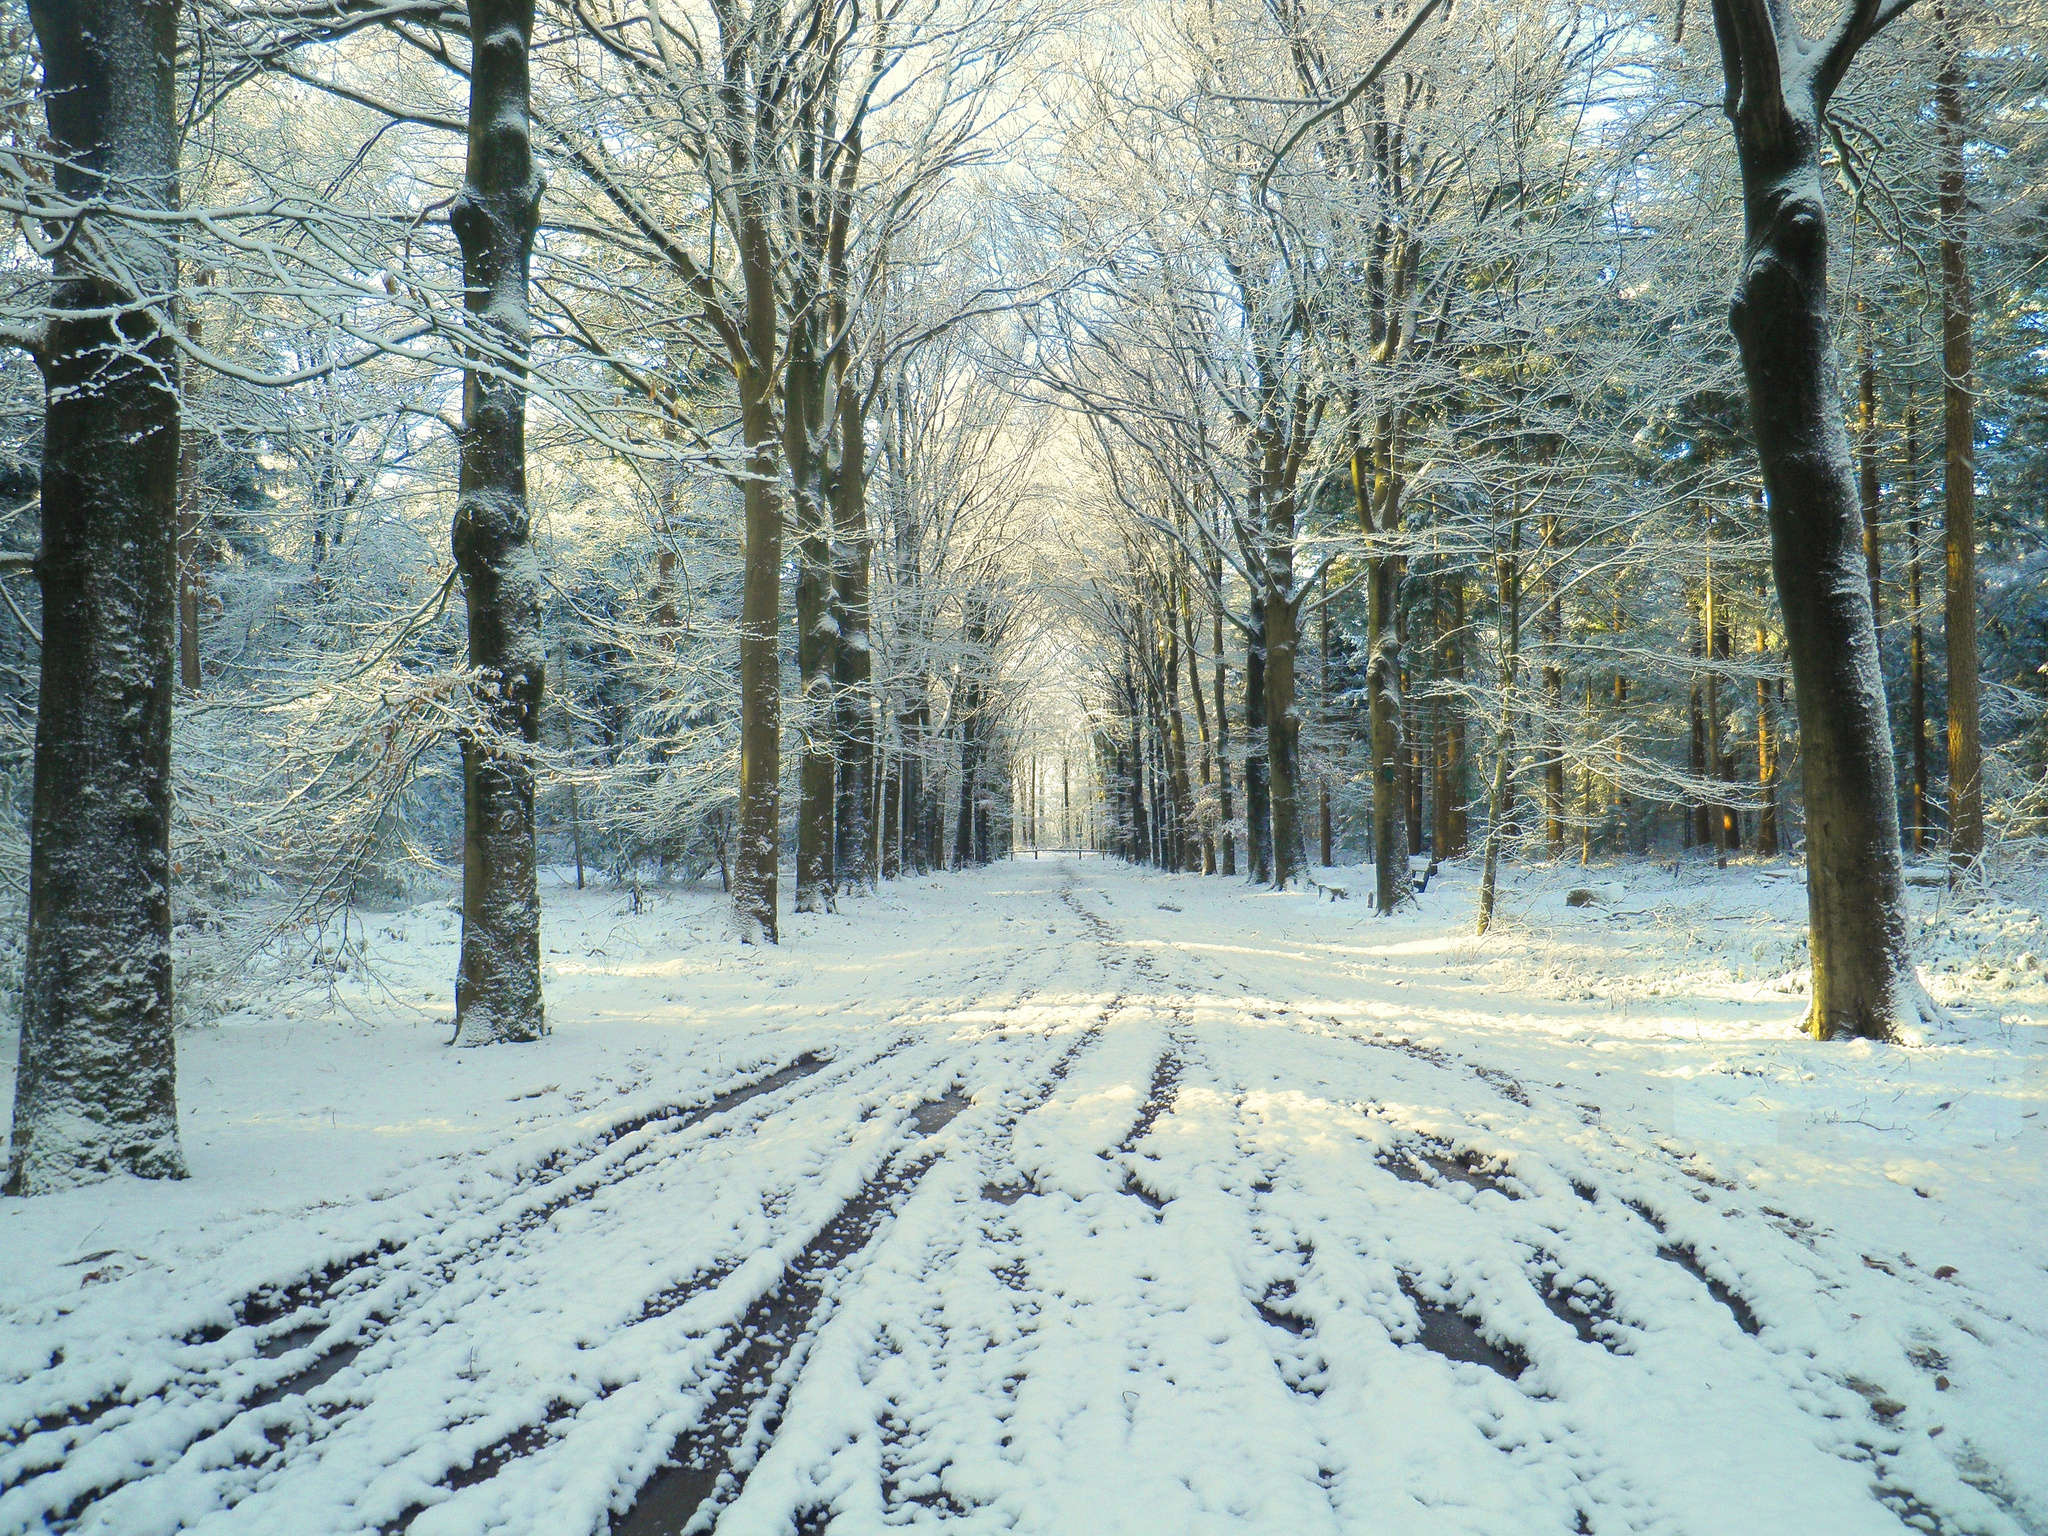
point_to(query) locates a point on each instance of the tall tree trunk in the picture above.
(1863, 980)
(1698, 828)
(1866, 475)
(804, 386)
(96, 1092)
(1382, 690)
(853, 558)
(1224, 806)
(1324, 850)
(498, 994)
(1460, 818)
(1766, 749)
(1553, 701)
(575, 798)
(1283, 726)
(1620, 797)
(1916, 659)
(1207, 828)
(1497, 798)
(1959, 463)
(1258, 825)
(757, 858)
(188, 528)
(1717, 814)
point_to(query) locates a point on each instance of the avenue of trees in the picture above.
(804, 443)
(1477, 473)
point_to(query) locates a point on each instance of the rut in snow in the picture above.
(1086, 1197)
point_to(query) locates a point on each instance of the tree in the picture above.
(1959, 462)
(97, 1091)
(498, 990)
(1778, 83)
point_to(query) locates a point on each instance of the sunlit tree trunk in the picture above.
(498, 994)
(1863, 980)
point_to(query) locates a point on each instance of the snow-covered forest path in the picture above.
(1063, 1199)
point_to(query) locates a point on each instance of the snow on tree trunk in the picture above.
(97, 1089)
(1863, 980)
(498, 990)
(805, 381)
(755, 867)
(854, 715)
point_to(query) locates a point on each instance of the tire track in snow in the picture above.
(709, 1467)
(232, 1434)
(985, 1382)
(1596, 1306)
(305, 1300)
(53, 1477)
(592, 1419)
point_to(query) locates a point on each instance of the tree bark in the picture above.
(1959, 465)
(1498, 792)
(1553, 701)
(96, 1092)
(1916, 659)
(1863, 980)
(1283, 725)
(1866, 476)
(498, 994)
(1208, 744)
(1382, 678)
(1460, 818)
(1258, 826)
(816, 630)
(854, 695)
(756, 859)
(1227, 864)
(188, 528)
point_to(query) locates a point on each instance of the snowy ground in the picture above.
(1068, 1199)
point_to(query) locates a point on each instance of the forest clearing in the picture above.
(1076, 1199)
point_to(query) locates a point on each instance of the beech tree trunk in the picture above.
(498, 993)
(188, 531)
(96, 1092)
(1959, 466)
(756, 859)
(854, 725)
(1460, 818)
(1382, 689)
(816, 626)
(1258, 825)
(1553, 700)
(1866, 477)
(1863, 980)
(1224, 808)
(1283, 729)
(1500, 791)
(1916, 656)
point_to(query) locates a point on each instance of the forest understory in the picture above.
(1069, 1197)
